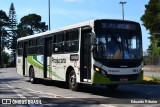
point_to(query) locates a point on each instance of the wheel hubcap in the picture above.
(31, 77)
(73, 80)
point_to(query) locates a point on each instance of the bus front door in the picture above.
(85, 57)
(47, 58)
(25, 52)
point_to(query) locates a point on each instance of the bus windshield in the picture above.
(118, 44)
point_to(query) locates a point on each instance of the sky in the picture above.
(68, 12)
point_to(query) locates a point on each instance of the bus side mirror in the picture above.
(93, 48)
(93, 42)
(93, 39)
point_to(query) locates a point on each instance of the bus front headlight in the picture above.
(97, 69)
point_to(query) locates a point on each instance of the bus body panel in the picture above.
(26, 67)
(58, 67)
(60, 64)
(49, 65)
(20, 65)
(37, 62)
(119, 71)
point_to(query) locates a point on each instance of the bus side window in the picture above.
(39, 47)
(20, 48)
(32, 45)
(72, 41)
(58, 43)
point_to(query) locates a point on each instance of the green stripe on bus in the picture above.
(33, 61)
(35, 58)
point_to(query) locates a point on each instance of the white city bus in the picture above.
(103, 51)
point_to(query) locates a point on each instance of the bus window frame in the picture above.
(32, 46)
(71, 41)
(20, 48)
(39, 45)
(54, 42)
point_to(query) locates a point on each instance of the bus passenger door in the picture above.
(85, 59)
(47, 58)
(25, 53)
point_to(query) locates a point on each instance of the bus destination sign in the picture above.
(127, 26)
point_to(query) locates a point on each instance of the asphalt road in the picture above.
(51, 93)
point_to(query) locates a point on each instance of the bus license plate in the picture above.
(123, 79)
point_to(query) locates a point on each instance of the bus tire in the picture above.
(32, 78)
(73, 85)
(112, 86)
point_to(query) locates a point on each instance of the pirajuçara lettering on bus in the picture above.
(58, 60)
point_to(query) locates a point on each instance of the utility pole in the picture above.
(122, 8)
(49, 16)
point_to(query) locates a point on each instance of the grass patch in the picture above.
(151, 80)
(156, 78)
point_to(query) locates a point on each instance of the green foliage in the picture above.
(3, 19)
(156, 78)
(13, 34)
(12, 17)
(151, 20)
(3, 33)
(31, 24)
(5, 57)
(151, 60)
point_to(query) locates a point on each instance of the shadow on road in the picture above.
(9, 79)
(123, 91)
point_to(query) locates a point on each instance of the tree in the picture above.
(31, 24)
(5, 56)
(12, 17)
(3, 25)
(3, 33)
(151, 20)
(12, 44)
(3, 19)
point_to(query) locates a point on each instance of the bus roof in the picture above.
(87, 23)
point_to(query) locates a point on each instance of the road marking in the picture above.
(15, 90)
(50, 94)
(106, 105)
(69, 97)
(10, 86)
(20, 95)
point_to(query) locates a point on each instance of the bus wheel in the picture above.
(73, 85)
(112, 86)
(32, 76)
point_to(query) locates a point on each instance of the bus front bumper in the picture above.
(100, 79)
